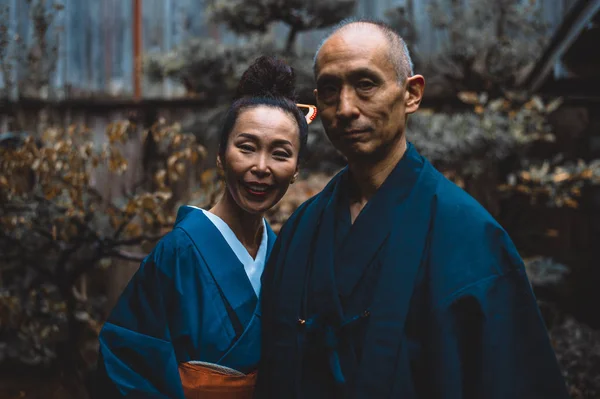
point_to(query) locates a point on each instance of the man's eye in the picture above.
(328, 91)
(365, 85)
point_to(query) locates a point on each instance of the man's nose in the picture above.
(347, 104)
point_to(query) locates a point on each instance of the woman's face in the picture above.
(261, 157)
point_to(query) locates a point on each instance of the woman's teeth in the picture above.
(257, 188)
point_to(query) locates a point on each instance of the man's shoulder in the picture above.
(307, 211)
(299, 214)
(452, 203)
(466, 243)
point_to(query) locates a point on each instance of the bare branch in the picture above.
(121, 228)
(125, 255)
(136, 240)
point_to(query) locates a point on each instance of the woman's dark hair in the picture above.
(270, 82)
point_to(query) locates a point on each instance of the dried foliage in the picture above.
(553, 183)
(401, 21)
(488, 44)
(205, 66)
(544, 271)
(577, 348)
(243, 16)
(55, 227)
(473, 143)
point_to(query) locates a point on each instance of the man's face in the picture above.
(362, 106)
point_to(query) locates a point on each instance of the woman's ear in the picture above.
(220, 163)
(295, 177)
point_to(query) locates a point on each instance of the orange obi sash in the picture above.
(211, 381)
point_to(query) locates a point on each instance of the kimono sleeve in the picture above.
(136, 356)
(489, 341)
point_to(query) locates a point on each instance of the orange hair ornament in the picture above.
(312, 112)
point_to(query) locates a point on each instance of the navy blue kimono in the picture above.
(423, 296)
(190, 300)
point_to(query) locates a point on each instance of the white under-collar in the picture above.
(253, 267)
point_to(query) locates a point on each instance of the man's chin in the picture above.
(358, 151)
(366, 152)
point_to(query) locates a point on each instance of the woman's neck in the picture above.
(247, 227)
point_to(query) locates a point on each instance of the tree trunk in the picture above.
(73, 368)
(291, 40)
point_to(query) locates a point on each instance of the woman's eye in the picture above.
(246, 148)
(281, 154)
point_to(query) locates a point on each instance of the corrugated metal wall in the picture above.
(96, 41)
(429, 39)
(96, 38)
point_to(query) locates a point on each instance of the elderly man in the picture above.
(393, 282)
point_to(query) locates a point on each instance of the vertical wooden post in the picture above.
(167, 23)
(12, 84)
(137, 49)
(107, 27)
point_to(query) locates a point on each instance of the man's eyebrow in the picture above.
(327, 78)
(359, 72)
(365, 71)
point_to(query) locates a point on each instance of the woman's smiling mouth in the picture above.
(257, 189)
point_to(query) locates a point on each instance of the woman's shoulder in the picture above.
(172, 246)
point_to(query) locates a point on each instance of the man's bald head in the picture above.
(399, 55)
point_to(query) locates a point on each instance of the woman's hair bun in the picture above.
(268, 77)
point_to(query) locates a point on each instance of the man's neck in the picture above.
(367, 177)
(247, 227)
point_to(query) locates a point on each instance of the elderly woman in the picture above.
(187, 325)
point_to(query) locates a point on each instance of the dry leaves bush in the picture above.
(56, 227)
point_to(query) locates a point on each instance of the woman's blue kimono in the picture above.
(190, 300)
(423, 296)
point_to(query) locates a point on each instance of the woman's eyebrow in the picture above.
(250, 136)
(280, 142)
(274, 143)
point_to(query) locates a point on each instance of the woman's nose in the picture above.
(261, 167)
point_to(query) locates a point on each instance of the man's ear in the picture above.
(316, 93)
(415, 86)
